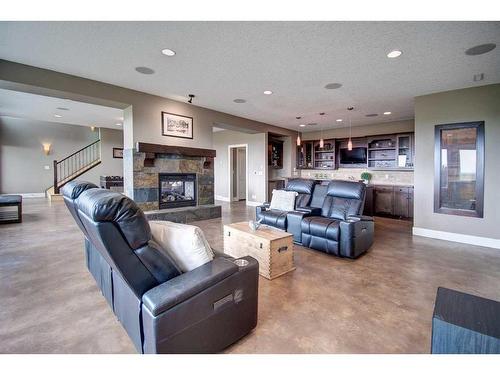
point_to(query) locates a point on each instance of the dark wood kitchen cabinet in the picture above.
(383, 197)
(403, 201)
(396, 201)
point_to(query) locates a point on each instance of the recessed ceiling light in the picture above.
(118, 124)
(168, 52)
(387, 113)
(302, 125)
(480, 49)
(62, 109)
(339, 120)
(58, 116)
(394, 54)
(144, 70)
(371, 115)
(333, 86)
(239, 101)
(268, 92)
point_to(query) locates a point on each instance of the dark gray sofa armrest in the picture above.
(183, 287)
(294, 220)
(356, 235)
(360, 218)
(312, 211)
(259, 209)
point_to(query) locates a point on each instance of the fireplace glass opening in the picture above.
(177, 189)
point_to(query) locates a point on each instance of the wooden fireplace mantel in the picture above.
(151, 148)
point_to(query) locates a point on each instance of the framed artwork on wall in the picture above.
(117, 153)
(178, 126)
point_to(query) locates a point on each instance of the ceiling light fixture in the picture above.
(349, 144)
(321, 141)
(191, 97)
(339, 120)
(480, 49)
(268, 92)
(144, 70)
(298, 133)
(118, 124)
(393, 54)
(302, 125)
(333, 86)
(387, 113)
(58, 116)
(168, 52)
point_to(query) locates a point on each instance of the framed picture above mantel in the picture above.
(173, 125)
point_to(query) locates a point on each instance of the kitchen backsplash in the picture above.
(378, 177)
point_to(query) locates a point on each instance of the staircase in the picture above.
(73, 166)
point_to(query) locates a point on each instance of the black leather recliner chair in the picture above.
(341, 229)
(163, 310)
(277, 218)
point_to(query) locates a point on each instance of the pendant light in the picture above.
(298, 133)
(349, 144)
(321, 140)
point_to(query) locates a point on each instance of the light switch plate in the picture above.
(46, 167)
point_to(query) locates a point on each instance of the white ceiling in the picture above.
(43, 108)
(222, 61)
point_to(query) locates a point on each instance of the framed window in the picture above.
(459, 169)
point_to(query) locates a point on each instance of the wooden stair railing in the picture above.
(74, 165)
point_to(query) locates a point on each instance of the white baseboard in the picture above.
(32, 195)
(457, 237)
(252, 203)
(221, 198)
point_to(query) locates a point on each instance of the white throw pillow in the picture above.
(283, 200)
(186, 244)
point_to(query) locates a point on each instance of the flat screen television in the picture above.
(356, 156)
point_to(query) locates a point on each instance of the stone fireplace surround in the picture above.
(149, 160)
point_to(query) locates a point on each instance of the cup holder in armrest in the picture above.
(241, 262)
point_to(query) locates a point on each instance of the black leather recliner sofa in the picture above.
(277, 218)
(163, 310)
(331, 221)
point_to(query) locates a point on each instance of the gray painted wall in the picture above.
(22, 159)
(257, 163)
(472, 104)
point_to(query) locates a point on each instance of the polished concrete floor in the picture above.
(380, 303)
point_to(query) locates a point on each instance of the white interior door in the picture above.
(242, 174)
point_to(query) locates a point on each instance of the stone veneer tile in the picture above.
(145, 180)
(143, 195)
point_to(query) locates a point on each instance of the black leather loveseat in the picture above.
(163, 310)
(331, 221)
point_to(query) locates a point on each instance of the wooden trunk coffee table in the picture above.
(272, 247)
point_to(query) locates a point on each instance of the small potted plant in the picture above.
(366, 177)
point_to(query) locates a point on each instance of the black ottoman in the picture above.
(464, 323)
(11, 210)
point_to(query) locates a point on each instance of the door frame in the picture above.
(230, 170)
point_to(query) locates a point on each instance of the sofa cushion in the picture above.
(323, 227)
(300, 185)
(283, 200)
(274, 218)
(186, 244)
